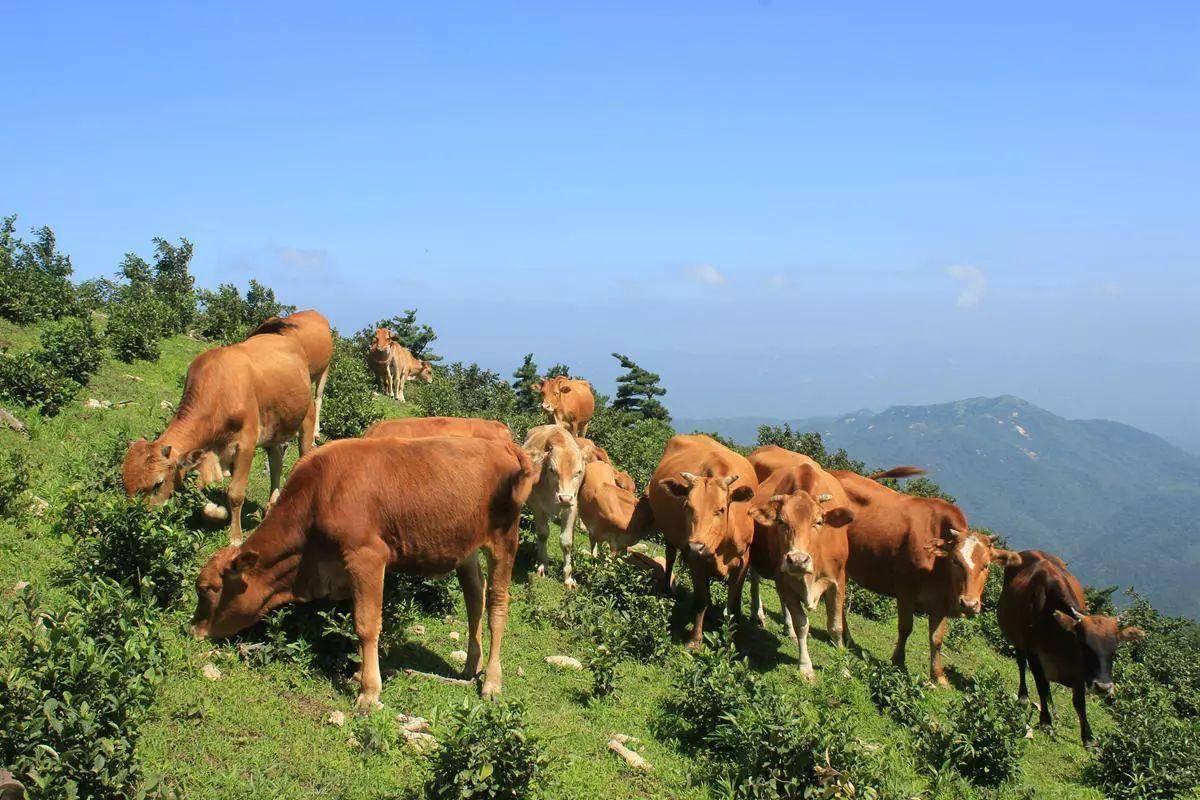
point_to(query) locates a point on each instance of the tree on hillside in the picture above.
(809, 444)
(638, 391)
(174, 284)
(34, 276)
(528, 399)
(559, 371)
(407, 331)
(227, 317)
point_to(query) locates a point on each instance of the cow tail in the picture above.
(897, 472)
(522, 479)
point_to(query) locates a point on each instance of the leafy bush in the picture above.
(603, 665)
(489, 753)
(895, 691)
(76, 685)
(348, 408)
(986, 737)
(713, 684)
(1170, 653)
(617, 605)
(72, 348)
(14, 480)
(1149, 753)
(136, 322)
(465, 390)
(868, 604)
(226, 317)
(810, 444)
(27, 379)
(34, 277)
(635, 444)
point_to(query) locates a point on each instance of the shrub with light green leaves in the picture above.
(14, 480)
(72, 347)
(617, 604)
(348, 408)
(985, 739)
(135, 324)
(713, 684)
(29, 381)
(489, 753)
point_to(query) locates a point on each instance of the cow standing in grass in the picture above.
(236, 399)
(699, 496)
(355, 509)
(558, 467)
(611, 513)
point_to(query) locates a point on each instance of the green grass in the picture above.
(265, 731)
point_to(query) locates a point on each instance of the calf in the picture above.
(609, 512)
(569, 402)
(920, 551)
(408, 367)
(417, 427)
(1042, 612)
(800, 514)
(699, 496)
(594, 452)
(311, 329)
(252, 394)
(558, 466)
(357, 508)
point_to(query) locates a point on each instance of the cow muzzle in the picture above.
(1103, 688)
(969, 607)
(198, 630)
(797, 562)
(565, 499)
(701, 551)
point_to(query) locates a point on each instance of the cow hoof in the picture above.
(491, 690)
(541, 570)
(569, 583)
(367, 704)
(808, 674)
(215, 512)
(940, 682)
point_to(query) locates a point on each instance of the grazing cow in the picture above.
(359, 507)
(800, 516)
(594, 452)
(558, 467)
(609, 512)
(1043, 613)
(569, 401)
(408, 367)
(419, 427)
(236, 398)
(699, 496)
(920, 551)
(311, 329)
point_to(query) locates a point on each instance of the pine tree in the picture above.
(559, 370)
(638, 391)
(524, 379)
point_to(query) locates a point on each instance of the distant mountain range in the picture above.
(1121, 505)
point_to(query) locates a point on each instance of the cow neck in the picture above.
(279, 543)
(190, 432)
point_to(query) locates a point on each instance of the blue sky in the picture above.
(785, 211)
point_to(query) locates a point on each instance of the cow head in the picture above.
(381, 342)
(425, 372)
(1096, 637)
(559, 467)
(229, 598)
(966, 558)
(553, 390)
(719, 529)
(155, 469)
(800, 520)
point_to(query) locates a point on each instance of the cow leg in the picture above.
(275, 464)
(308, 429)
(541, 527)
(210, 470)
(500, 565)
(733, 606)
(835, 612)
(1023, 690)
(904, 619)
(366, 580)
(566, 537)
(757, 614)
(702, 600)
(403, 379)
(1079, 699)
(1045, 719)
(470, 578)
(317, 400)
(669, 551)
(242, 461)
(937, 632)
(799, 616)
(788, 627)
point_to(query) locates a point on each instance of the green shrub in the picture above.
(713, 684)
(616, 604)
(136, 322)
(34, 277)
(869, 604)
(348, 408)
(465, 390)
(895, 691)
(603, 665)
(490, 753)
(75, 687)
(1148, 753)
(28, 380)
(634, 444)
(72, 348)
(1170, 653)
(14, 480)
(986, 737)
(227, 318)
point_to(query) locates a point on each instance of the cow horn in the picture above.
(730, 479)
(824, 497)
(956, 534)
(1074, 612)
(689, 477)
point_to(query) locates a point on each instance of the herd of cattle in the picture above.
(426, 495)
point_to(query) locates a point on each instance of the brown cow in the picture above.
(312, 330)
(1043, 613)
(594, 452)
(920, 551)
(558, 467)
(236, 398)
(800, 513)
(419, 427)
(379, 359)
(609, 512)
(699, 496)
(569, 401)
(359, 507)
(409, 368)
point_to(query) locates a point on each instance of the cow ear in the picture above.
(166, 450)
(839, 517)
(1131, 634)
(1065, 621)
(566, 387)
(191, 459)
(766, 513)
(741, 494)
(244, 560)
(1006, 558)
(677, 487)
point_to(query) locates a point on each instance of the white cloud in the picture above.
(304, 259)
(707, 274)
(974, 284)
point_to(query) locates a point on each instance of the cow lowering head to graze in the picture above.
(569, 401)
(800, 514)
(699, 496)
(558, 467)
(419, 427)
(1043, 613)
(235, 399)
(311, 329)
(920, 551)
(408, 367)
(594, 452)
(611, 513)
(357, 508)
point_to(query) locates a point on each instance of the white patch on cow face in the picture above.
(966, 551)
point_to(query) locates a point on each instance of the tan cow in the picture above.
(594, 452)
(920, 551)
(558, 467)
(236, 398)
(408, 367)
(569, 402)
(611, 513)
(312, 330)
(357, 508)
(800, 514)
(379, 359)
(418, 427)
(699, 496)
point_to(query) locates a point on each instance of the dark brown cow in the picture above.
(609, 512)
(800, 513)
(356, 508)
(419, 427)
(1043, 613)
(699, 496)
(569, 401)
(237, 398)
(312, 330)
(920, 551)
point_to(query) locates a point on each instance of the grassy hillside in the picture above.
(263, 729)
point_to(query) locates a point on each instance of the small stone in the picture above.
(565, 662)
(20, 586)
(211, 672)
(165, 405)
(336, 718)
(412, 724)
(417, 630)
(459, 656)
(454, 637)
(520, 672)
(448, 619)
(419, 742)
(94, 403)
